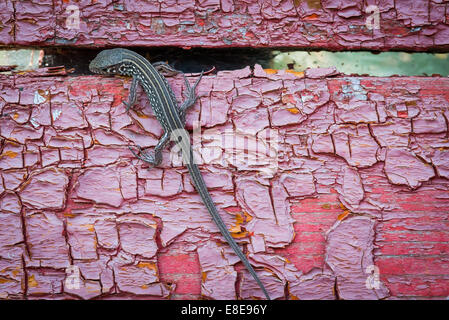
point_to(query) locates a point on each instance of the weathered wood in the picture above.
(360, 182)
(326, 24)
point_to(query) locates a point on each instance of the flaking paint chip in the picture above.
(38, 97)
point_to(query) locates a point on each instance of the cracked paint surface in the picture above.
(329, 24)
(361, 185)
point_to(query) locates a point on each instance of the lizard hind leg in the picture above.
(132, 94)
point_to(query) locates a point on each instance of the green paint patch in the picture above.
(382, 64)
(23, 59)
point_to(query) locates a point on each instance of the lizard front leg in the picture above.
(156, 158)
(132, 94)
(191, 96)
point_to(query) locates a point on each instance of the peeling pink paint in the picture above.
(361, 182)
(315, 285)
(217, 273)
(44, 250)
(351, 189)
(403, 167)
(45, 189)
(333, 24)
(349, 253)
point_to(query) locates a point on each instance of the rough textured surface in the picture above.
(358, 190)
(329, 24)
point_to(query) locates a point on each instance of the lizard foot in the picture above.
(153, 160)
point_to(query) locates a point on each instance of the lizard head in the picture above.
(107, 62)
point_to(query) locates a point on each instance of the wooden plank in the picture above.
(311, 24)
(356, 187)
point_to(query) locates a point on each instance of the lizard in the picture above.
(120, 61)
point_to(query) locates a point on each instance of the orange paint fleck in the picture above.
(239, 218)
(268, 270)
(296, 73)
(144, 286)
(68, 213)
(4, 280)
(313, 16)
(270, 71)
(239, 235)
(149, 265)
(236, 230)
(293, 110)
(140, 114)
(343, 215)
(293, 297)
(247, 216)
(23, 185)
(89, 227)
(203, 276)
(326, 206)
(9, 153)
(32, 282)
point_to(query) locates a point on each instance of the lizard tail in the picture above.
(208, 202)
